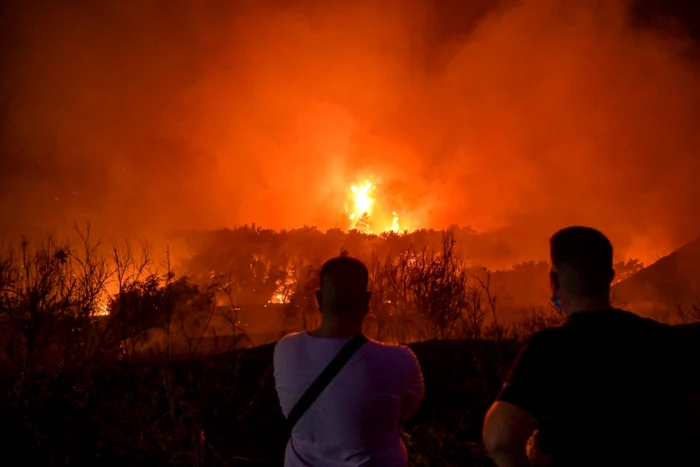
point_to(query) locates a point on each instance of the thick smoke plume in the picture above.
(520, 117)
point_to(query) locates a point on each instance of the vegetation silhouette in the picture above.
(103, 355)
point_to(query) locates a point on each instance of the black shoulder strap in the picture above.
(324, 379)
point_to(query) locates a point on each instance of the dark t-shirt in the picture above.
(605, 388)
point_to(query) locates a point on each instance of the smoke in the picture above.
(148, 117)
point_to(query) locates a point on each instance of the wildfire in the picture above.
(361, 206)
(394, 222)
(284, 291)
(101, 309)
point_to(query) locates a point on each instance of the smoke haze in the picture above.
(518, 118)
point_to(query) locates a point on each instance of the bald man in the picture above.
(355, 420)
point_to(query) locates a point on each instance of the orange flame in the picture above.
(394, 223)
(101, 309)
(361, 206)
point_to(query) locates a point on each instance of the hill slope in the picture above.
(672, 280)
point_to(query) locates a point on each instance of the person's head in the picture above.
(582, 268)
(343, 288)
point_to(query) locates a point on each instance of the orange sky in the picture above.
(151, 116)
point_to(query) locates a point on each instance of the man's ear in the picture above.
(319, 297)
(368, 297)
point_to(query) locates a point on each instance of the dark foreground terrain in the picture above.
(223, 410)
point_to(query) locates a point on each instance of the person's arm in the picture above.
(278, 364)
(415, 388)
(507, 428)
(512, 419)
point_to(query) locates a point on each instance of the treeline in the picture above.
(260, 260)
(70, 307)
(424, 293)
(265, 265)
(78, 305)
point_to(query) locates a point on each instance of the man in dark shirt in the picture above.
(600, 390)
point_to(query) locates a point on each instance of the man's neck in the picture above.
(578, 306)
(334, 326)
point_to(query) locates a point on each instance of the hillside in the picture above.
(672, 280)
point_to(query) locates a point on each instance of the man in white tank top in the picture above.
(355, 420)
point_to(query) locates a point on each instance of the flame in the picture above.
(361, 209)
(284, 291)
(101, 309)
(394, 223)
(361, 206)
